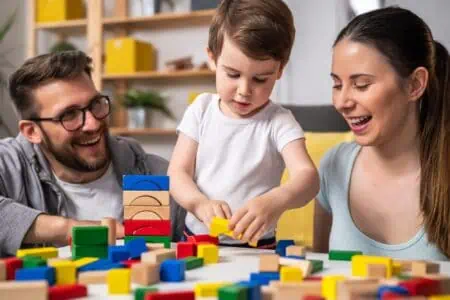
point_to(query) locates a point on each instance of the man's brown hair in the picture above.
(262, 29)
(41, 69)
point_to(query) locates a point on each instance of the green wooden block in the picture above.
(31, 261)
(405, 276)
(152, 239)
(90, 235)
(139, 293)
(317, 265)
(100, 251)
(193, 262)
(233, 292)
(342, 254)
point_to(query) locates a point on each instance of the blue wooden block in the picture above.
(389, 288)
(118, 253)
(253, 288)
(264, 278)
(296, 257)
(145, 183)
(136, 247)
(282, 245)
(39, 273)
(172, 270)
(100, 265)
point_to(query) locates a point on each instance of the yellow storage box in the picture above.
(59, 10)
(128, 55)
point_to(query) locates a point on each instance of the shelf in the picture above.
(142, 131)
(66, 27)
(161, 75)
(161, 19)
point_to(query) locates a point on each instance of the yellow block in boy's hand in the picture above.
(219, 226)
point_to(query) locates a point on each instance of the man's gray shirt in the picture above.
(28, 186)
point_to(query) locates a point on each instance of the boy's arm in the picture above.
(183, 188)
(302, 186)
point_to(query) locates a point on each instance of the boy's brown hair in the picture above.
(262, 29)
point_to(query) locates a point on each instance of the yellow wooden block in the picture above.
(119, 281)
(290, 274)
(208, 289)
(45, 253)
(219, 226)
(360, 262)
(66, 271)
(128, 55)
(439, 297)
(396, 268)
(209, 252)
(84, 261)
(59, 10)
(329, 286)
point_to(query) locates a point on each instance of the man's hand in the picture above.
(255, 218)
(205, 210)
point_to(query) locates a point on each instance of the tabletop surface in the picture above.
(235, 264)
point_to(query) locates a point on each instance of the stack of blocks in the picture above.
(146, 208)
(89, 241)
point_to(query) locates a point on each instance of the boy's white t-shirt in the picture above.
(237, 159)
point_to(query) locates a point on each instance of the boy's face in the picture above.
(243, 84)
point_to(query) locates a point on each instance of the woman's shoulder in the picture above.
(338, 158)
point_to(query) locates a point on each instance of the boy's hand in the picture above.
(207, 209)
(253, 219)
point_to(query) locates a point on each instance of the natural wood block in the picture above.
(111, 224)
(158, 256)
(146, 198)
(420, 268)
(305, 265)
(357, 289)
(406, 265)
(376, 271)
(269, 263)
(295, 251)
(154, 246)
(309, 287)
(15, 290)
(145, 273)
(2, 271)
(146, 213)
(267, 292)
(92, 277)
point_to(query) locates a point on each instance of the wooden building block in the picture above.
(2, 271)
(359, 264)
(147, 227)
(172, 270)
(307, 287)
(111, 224)
(119, 281)
(186, 249)
(158, 256)
(46, 252)
(154, 246)
(329, 286)
(145, 273)
(66, 272)
(267, 292)
(146, 213)
(12, 264)
(38, 273)
(232, 292)
(421, 286)
(342, 255)
(30, 261)
(208, 289)
(90, 235)
(406, 265)
(18, 290)
(295, 250)
(376, 271)
(171, 295)
(193, 262)
(146, 198)
(357, 290)
(151, 239)
(203, 238)
(140, 292)
(80, 251)
(219, 226)
(290, 274)
(421, 268)
(305, 265)
(145, 183)
(71, 291)
(92, 277)
(269, 263)
(444, 282)
(209, 253)
(84, 261)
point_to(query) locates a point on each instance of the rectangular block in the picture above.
(152, 239)
(59, 10)
(146, 198)
(36, 290)
(305, 265)
(84, 261)
(342, 254)
(317, 265)
(209, 289)
(291, 274)
(295, 250)
(90, 235)
(171, 295)
(193, 262)
(145, 183)
(140, 292)
(66, 272)
(172, 270)
(38, 273)
(158, 256)
(421, 268)
(119, 281)
(147, 227)
(219, 226)
(307, 287)
(360, 262)
(2, 271)
(46, 252)
(12, 264)
(70, 291)
(269, 263)
(376, 271)
(111, 224)
(357, 290)
(92, 277)
(186, 249)
(154, 246)
(100, 265)
(99, 251)
(146, 213)
(209, 253)
(145, 273)
(200, 238)
(30, 261)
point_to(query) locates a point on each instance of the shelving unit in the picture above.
(94, 26)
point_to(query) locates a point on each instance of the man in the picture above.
(63, 169)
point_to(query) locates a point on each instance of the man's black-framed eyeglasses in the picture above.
(74, 118)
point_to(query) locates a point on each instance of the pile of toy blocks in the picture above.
(146, 208)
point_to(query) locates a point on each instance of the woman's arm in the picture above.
(322, 228)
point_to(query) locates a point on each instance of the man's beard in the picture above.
(66, 156)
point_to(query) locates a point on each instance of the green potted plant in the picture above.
(140, 103)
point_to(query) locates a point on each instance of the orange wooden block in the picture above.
(158, 256)
(146, 213)
(269, 263)
(145, 273)
(146, 198)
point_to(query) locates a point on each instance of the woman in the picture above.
(387, 193)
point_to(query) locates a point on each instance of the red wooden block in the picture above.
(313, 278)
(147, 227)
(392, 295)
(185, 249)
(129, 262)
(69, 291)
(422, 286)
(203, 238)
(175, 295)
(12, 264)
